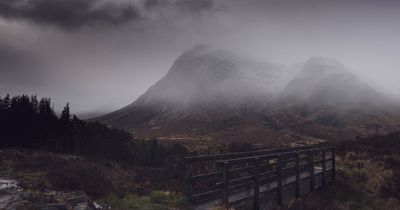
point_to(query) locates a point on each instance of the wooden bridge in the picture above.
(256, 180)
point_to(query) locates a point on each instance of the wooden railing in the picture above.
(222, 178)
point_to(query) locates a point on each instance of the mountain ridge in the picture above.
(213, 94)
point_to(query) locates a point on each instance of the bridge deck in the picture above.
(263, 188)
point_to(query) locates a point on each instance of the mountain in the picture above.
(331, 102)
(215, 94)
(323, 81)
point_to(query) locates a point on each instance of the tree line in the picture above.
(30, 122)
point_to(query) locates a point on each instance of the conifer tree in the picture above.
(65, 114)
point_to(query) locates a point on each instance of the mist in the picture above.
(107, 54)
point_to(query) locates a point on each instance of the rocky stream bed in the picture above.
(14, 197)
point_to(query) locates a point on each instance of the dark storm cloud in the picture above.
(69, 14)
(9, 55)
(193, 6)
(114, 65)
(13, 61)
(73, 14)
(13, 65)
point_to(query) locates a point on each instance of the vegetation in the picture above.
(108, 183)
(367, 176)
(157, 200)
(29, 122)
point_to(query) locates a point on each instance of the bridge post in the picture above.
(312, 172)
(279, 180)
(298, 181)
(256, 198)
(323, 181)
(333, 164)
(188, 180)
(225, 190)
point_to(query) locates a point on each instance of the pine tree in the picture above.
(65, 114)
(35, 104)
(45, 109)
(5, 102)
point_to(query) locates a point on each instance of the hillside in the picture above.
(366, 174)
(215, 94)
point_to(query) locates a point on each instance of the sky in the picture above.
(100, 55)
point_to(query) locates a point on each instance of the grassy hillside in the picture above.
(367, 177)
(45, 178)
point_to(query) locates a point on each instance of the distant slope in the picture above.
(213, 94)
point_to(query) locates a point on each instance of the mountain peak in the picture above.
(197, 50)
(320, 66)
(324, 61)
(206, 75)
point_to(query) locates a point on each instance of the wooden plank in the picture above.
(242, 154)
(312, 168)
(244, 179)
(297, 194)
(279, 182)
(256, 197)
(323, 168)
(238, 180)
(226, 185)
(188, 181)
(239, 187)
(249, 193)
(248, 159)
(244, 160)
(333, 165)
(205, 176)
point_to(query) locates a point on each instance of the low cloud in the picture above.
(71, 14)
(74, 14)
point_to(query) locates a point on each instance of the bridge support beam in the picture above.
(279, 180)
(333, 165)
(256, 198)
(312, 172)
(226, 185)
(323, 181)
(188, 181)
(298, 180)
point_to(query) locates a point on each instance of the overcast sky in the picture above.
(100, 55)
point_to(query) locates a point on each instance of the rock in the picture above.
(7, 185)
(82, 206)
(97, 206)
(11, 195)
(77, 199)
(81, 202)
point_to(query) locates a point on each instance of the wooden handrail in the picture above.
(256, 189)
(261, 170)
(240, 154)
(268, 156)
(323, 168)
(312, 172)
(298, 175)
(279, 181)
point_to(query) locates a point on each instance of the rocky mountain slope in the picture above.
(214, 94)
